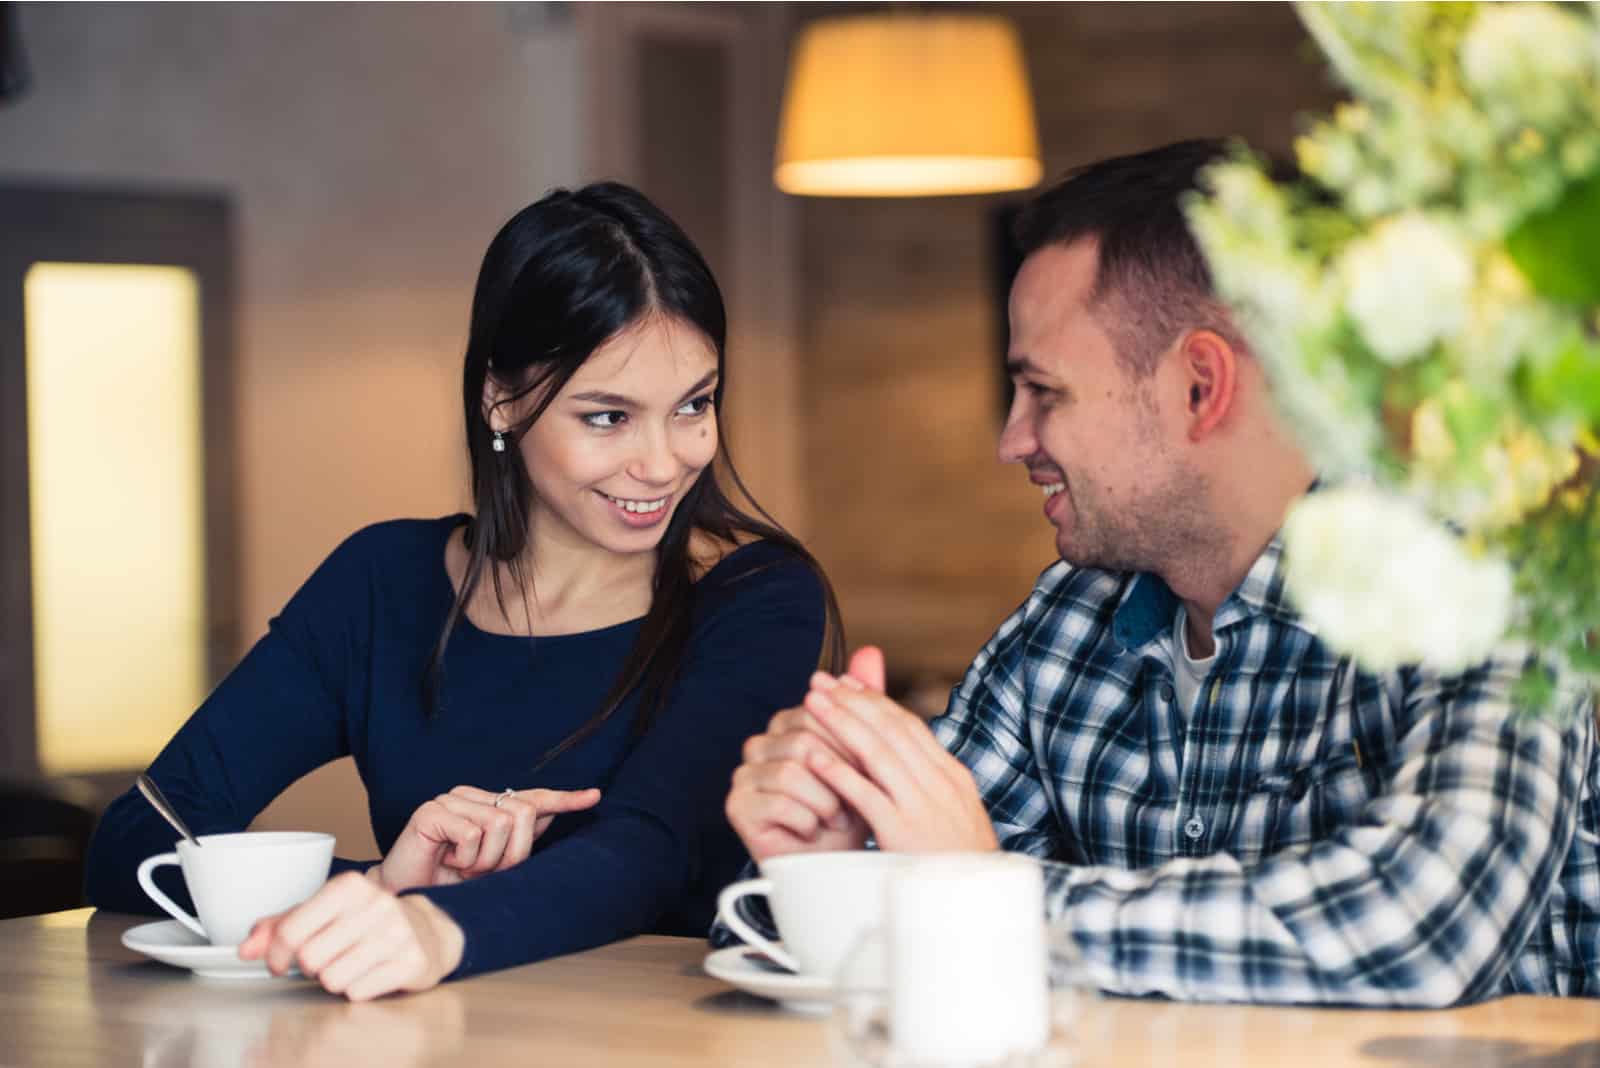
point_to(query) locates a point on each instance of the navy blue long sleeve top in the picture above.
(340, 672)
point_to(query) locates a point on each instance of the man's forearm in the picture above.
(1424, 902)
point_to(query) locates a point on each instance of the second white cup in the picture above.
(823, 903)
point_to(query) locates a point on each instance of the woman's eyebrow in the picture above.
(705, 382)
(617, 400)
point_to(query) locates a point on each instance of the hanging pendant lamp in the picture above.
(907, 105)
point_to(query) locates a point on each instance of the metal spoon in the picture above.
(152, 793)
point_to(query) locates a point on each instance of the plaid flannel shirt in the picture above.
(1310, 833)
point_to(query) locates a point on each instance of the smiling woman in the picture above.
(602, 634)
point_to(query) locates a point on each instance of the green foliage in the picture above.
(1558, 249)
(1425, 299)
(1568, 384)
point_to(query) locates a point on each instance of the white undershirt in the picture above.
(1187, 672)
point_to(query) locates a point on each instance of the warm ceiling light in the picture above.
(907, 105)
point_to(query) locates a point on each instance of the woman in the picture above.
(601, 635)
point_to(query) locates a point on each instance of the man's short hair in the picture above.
(1151, 283)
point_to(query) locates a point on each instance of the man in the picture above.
(1244, 814)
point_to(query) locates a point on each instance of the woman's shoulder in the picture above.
(397, 539)
(395, 561)
(760, 565)
(383, 553)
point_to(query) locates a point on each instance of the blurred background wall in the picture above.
(371, 150)
(370, 153)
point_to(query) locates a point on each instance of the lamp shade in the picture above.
(907, 105)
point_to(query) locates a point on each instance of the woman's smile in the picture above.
(637, 512)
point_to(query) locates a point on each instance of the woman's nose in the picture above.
(654, 463)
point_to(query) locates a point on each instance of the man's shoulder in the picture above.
(1068, 618)
(1068, 607)
(1066, 588)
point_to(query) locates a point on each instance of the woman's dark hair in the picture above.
(562, 277)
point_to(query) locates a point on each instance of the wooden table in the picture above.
(70, 994)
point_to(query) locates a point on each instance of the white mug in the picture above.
(823, 903)
(975, 976)
(236, 879)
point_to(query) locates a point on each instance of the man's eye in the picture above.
(698, 406)
(604, 420)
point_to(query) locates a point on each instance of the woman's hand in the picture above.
(778, 804)
(463, 834)
(359, 940)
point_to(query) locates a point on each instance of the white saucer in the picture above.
(802, 993)
(172, 943)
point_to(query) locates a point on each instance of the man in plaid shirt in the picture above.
(1241, 814)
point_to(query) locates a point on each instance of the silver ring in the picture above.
(504, 796)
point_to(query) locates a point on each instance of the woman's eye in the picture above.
(698, 406)
(605, 420)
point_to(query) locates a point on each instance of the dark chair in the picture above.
(44, 837)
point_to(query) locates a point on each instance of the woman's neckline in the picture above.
(461, 518)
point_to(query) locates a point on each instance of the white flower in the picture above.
(1520, 59)
(1407, 285)
(1323, 409)
(1248, 201)
(1382, 582)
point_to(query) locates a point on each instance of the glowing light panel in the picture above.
(116, 509)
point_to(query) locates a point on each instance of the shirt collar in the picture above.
(1149, 607)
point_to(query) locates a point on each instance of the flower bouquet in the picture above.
(1423, 296)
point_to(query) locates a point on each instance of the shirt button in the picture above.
(1166, 693)
(1194, 827)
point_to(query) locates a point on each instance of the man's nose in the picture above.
(1017, 439)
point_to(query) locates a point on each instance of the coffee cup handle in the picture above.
(171, 907)
(728, 912)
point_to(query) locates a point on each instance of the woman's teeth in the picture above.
(1053, 488)
(643, 507)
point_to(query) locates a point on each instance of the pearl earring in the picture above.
(499, 442)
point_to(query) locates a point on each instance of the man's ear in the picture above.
(1211, 380)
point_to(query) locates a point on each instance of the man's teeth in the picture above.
(1052, 488)
(636, 506)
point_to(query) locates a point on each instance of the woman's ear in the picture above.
(1211, 380)
(496, 411)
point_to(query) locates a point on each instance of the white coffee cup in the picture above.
(236, 879)
(976, 976)
(967, 929)
(823, 902)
